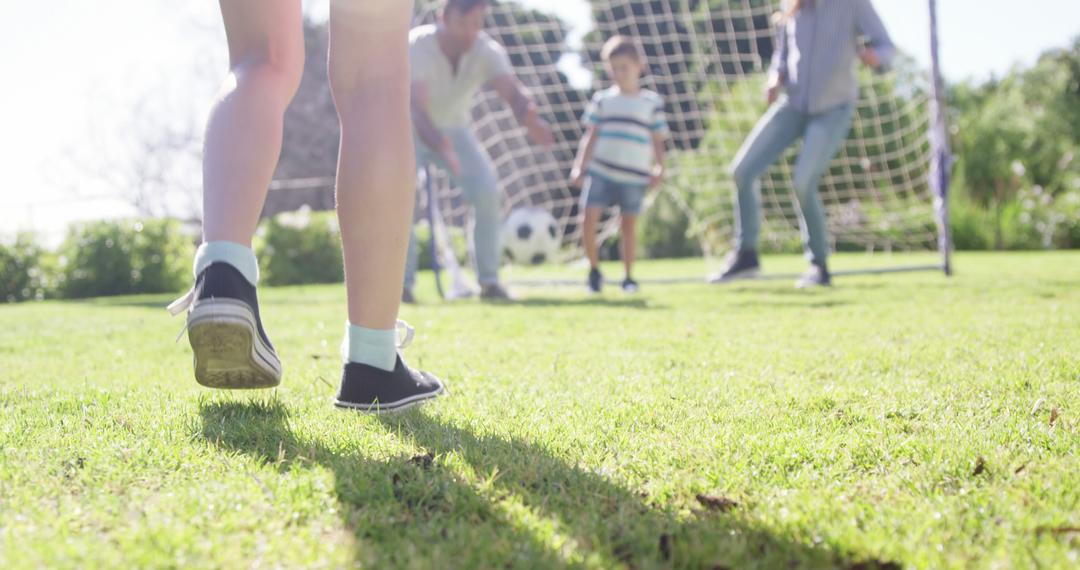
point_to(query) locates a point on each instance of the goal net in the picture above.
(707, 58)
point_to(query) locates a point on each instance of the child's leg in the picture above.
(243, 137)
(243, 141)
(588, 235)
(628, 241)
(369, 78)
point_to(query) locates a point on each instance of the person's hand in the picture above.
(772, 90)
(577, 177)
(539, 130)
(657, 178)
(870, 57)
(450, 157)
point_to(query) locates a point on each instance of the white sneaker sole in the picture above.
(229, 353)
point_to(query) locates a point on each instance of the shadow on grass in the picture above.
(507, 519)
(791, 304)
(587, 301)
(156, 301)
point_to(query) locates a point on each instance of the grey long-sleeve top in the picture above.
(816, 51)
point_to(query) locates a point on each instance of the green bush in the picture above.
(664, 231)
(296, 248)
(23, 274)
(125, 257)
(972, 226)
(1042, 220)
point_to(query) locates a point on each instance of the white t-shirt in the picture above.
(625, 125)
(451, 94)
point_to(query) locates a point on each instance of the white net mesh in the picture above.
(707, 59)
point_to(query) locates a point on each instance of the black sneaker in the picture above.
(407, 297)
(596, 280)
(495, 292)
(231, 349)
(816, 276)
(739, 265)
(370, 389)
(630, 286)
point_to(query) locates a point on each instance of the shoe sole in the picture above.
(391, 407)
(229, 354)
(740, 276)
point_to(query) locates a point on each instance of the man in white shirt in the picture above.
(451, 61)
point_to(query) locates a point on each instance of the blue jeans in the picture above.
(782, 125)
(480, 186)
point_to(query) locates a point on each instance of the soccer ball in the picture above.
(531, 236)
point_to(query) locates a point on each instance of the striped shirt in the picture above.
(816, 52)
(625, 125)
(452, 91)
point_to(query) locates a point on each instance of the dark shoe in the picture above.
(816, 276)
(407, 297)
(495, 292)
(630, 286)
(230, 347)
(370, 389)
(596, 280)
(739, 265)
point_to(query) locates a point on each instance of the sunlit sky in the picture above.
(73, 70)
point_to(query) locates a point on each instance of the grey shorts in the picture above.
(603, 192)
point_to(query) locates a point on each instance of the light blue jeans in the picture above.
(822, 134)
(480, 186)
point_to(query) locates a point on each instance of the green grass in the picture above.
(895, 421)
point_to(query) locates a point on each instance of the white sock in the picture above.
(373, 347)
(239, 256)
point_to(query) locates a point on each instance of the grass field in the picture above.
(894, 421)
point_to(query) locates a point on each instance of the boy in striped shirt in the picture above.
(621, 155)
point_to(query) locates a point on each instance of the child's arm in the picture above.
(659, 143)
(584, 157)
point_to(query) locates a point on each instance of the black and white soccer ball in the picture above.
(531, 236)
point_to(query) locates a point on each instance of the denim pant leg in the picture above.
(424, 157)
(773, 134)
(480, 186)
(825, 133)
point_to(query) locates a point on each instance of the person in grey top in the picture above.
(451, 62)
(812, 90)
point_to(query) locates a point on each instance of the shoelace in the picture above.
(405, 334)
(182, 304)
(179, 306)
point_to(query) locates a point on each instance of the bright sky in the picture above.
(73, 69)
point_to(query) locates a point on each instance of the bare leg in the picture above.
(243, 137)
(628, 241)
(369, 77)
(588, 236)
(243, 141)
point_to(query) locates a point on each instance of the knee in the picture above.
(484, 186)
(374, 99)
(805, 184)
(487, 205)
(741, 172)
(273, 69)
